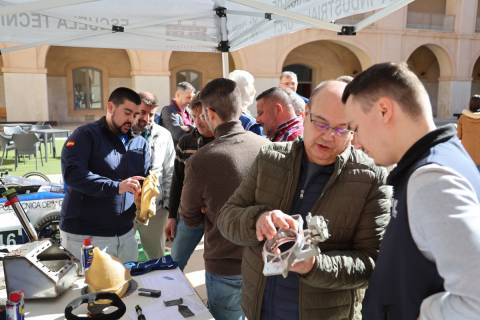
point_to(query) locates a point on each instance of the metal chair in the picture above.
(40, 136)
(27, 144)
(6, 144)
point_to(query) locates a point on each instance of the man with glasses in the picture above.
(211, 176)
(322, 174)
(276, 114)
(186, 238)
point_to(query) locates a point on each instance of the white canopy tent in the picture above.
(181, 25)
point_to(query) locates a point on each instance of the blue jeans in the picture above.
(186, 239)
(224, 296)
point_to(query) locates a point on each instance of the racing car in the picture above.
(41, 200)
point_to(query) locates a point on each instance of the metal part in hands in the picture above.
(289, 246)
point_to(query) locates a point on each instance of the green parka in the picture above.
(356, 203)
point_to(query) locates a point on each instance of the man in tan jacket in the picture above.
(324, 175)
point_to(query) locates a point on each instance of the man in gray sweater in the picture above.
(211, 177)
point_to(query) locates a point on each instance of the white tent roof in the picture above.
(182, 25)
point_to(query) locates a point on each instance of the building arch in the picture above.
(327, 60)
(475, 77)
(442, 54)
(207, 64)
(361, 53)
(115, 67)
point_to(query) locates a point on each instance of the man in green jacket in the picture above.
(324, 175)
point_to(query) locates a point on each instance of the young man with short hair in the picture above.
(428, 265)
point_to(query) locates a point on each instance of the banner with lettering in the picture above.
(182, 25)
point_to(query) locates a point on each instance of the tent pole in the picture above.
(224, 45)
(225, 65)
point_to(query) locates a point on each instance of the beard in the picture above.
(140, 125)
(123, 127)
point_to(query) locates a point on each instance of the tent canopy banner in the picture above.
(181, 25)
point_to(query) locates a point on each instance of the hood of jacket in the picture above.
(470, 114)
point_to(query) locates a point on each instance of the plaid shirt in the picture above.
(289, 131)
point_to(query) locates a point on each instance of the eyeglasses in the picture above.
(324, 127)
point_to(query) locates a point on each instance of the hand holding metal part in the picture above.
(289, 246)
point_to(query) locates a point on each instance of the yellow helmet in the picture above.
(107, 274)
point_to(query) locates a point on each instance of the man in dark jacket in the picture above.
(102, 166)
(176, 116)
(324, 175)
(428, 265)
(186, 238)
(211, 176)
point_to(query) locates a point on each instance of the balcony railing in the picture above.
(430, 21)
(477, 25)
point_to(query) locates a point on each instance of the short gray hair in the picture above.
(297, 102)
(279, 95)
(289, 74)
(185, 86)
(147, 100)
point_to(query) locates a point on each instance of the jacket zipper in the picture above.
(124, 196)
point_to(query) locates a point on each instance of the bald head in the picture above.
(326, 133)
(330, 88)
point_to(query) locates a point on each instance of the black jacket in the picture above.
(94, 161)
(186, 147)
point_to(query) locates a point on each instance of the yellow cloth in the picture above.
(146, 203)
(107, 274)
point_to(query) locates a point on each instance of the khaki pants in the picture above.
(123, 247)
(153, 235)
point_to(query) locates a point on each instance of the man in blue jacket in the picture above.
(102, 166)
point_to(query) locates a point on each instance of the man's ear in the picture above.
(386, 108)
(110, 107)
(278, 108)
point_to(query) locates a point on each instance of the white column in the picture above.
(26, 96)
(159, 85)
(453, 97)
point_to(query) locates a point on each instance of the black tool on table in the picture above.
(185, 311)
(140, 315)
(149, 293)
(171, 303)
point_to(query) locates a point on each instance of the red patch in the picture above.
(70, 144)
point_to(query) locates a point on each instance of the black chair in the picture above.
(27, 144)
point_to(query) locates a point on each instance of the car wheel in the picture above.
(36, 175)
(49, 227)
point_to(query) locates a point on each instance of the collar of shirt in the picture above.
(284, 130)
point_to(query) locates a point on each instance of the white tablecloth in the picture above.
(172, 283)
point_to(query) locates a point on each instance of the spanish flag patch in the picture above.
(70, 144)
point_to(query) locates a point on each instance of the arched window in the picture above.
(304, 75)
(192, 76)
(87, 88)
